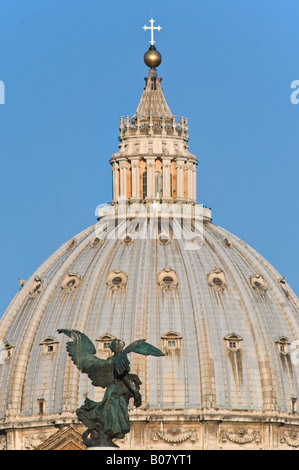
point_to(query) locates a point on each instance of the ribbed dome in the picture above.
(223, 308)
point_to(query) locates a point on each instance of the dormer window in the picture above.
(258, 283)
(226, 242)
(164, 239)
(71, 282)
(36, 287)
(40, 404)
(103, 343)
(6, 351)
(96, 241)
(216, 279)
(127, 239)
(49, 345)
(72, 244)
(116, 280)
(233, 342)
(171, 341)
(167, 279)
(283, 345)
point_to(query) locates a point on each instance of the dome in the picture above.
(223, 324)
(105, 286)
(224, 317)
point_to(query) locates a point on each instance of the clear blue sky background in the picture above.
(72, 67)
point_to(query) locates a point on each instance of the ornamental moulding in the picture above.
(36, 287)
(241, 437)
(167, 279)
(291, 439)
(174, 436)
(96, 241)
(71, 282)
(258, 283)
(216, 279)
(116, 280)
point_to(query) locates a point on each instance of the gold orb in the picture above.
(152, 57)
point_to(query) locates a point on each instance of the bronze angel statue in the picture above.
(108, 419)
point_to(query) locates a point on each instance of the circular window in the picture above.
(37, 287)
(226, 242)
(163, 239)
(217, 281)
(116, 281)
(128, 239)
(72, 244)
(258, 283)
(96, 241)
(71, 283)
(167, 279)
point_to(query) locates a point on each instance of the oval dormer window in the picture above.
(128, 239)
(116, 280)
(216, 279)
(163, 239)
(167, 279)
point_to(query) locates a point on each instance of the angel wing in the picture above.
(82, 352)
(122, 363)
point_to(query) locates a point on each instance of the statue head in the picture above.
(117, 345)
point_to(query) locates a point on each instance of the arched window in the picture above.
(158, 185)
(170, 184)
(144, 184)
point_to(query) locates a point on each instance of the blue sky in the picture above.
(71, 68)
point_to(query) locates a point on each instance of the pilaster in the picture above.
(180, 177)
(135, 179)
(123, 178)
(166, 166)
(150, 171)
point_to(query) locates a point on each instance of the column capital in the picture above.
(135, 162)
(180, 161)
(122, 163)
(150, 161)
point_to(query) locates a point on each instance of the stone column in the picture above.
(190, 181)
(115, 178)
(135, 179)
(123, 179)
(166, 166)
(194, 183)
(180, 178)
(150, 171)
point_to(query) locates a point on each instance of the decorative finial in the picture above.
(152, 27)
(152, 57)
